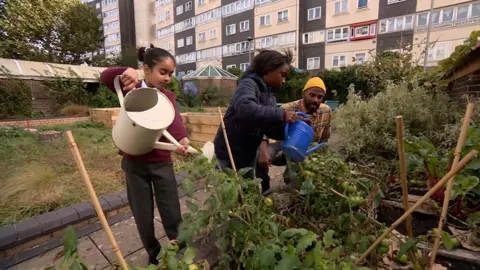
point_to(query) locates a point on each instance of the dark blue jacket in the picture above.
(251, 114)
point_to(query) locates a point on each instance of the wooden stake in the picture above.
(226, 141)
(469, 157)
(446, 199)
(94, 199)
(403, 171)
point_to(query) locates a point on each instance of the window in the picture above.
(394, 1)
(422, 19)
(265, 20)
(283, 16)
(213, 33)
(166, 31)
(314, 13)
(338, 61)
(184, 25)
(189, 40)
(261, 2)
(201, 2)
(337, 34)
(462, 12)
(209, 16)
(210, 53)
(108, 2)
(110, 13)
(341, 6)
(112, 37)
(111, 25)
(236, 7)
(447, 15)
(437, 52)
(396, 24)
(188, 6)
(236, 48)
(186, 58)
(362, 4)
(230, 29)
(313, 63)
(201, 36)
(231, 66)
(313, 37)
(167, 14)
(244, 26)
(97, 6)
(179, 9)
(284, 39)
(244, 66)
(159, 3)
(435, 17)
(180, 43)
(360, 57)
(476, 9)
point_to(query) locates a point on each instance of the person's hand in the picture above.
(289, 116)
(129, 79)
(264, 158)
(183, 149)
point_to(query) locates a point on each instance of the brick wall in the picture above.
(43, 121)
(466, 85)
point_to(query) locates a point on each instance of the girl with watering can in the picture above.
(155, 168)
(252, 115)
(319, 115)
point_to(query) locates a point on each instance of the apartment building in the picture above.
(119, 24)
(321, 33)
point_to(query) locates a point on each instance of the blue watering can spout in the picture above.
(298, 137)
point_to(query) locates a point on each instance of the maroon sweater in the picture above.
(177, 129)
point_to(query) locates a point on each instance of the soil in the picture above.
(421, 223)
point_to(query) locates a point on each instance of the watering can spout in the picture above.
(207, 149)
(316, 147)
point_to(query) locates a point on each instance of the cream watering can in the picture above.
(144, 117)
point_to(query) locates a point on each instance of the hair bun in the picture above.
(141, 54)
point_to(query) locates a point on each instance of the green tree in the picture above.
(48, 30)
(294, 83)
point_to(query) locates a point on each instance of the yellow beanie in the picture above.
(315, 82)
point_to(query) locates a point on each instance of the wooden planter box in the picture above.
(202, 127)
(107, 116)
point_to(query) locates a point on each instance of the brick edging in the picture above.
(12, 235)
(36, 122)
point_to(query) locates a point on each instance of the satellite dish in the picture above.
(189, 88)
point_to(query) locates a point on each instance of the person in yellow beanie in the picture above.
(319, 115)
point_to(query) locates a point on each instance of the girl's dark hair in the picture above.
(269, 60)
(151, 56)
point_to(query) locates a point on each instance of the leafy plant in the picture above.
(71, 258)
(425, 158)
(15, 99)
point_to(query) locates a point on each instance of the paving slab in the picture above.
(126, 234)
(87, 250)
(201, 195)
(140, 258)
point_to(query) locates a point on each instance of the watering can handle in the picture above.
(288, 125)
(174, 145)
(118, 89)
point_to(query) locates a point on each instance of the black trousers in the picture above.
(277, 159)
(144, 181)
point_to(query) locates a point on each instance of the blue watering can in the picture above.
(298, 137)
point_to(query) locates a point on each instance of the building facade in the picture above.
(320, 33)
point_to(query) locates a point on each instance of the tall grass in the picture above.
(37, 178)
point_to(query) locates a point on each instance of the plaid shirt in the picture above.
(320, 119)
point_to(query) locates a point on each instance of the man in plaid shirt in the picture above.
(319, 115)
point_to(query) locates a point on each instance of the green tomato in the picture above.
(402, 259)
(352, 188)
(385, 243)
(383, 250)
(455, 243)
(268, 202)
(192, 267)
(413, 182)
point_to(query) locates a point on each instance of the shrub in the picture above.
(368, 126)
(103, 98)
(15, 99)
(212, 97)
(75, 110)
(174, 86)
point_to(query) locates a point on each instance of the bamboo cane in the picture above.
(94, 199)
(226, 141)
(403, 171)
(469, 157)
(446, 199)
